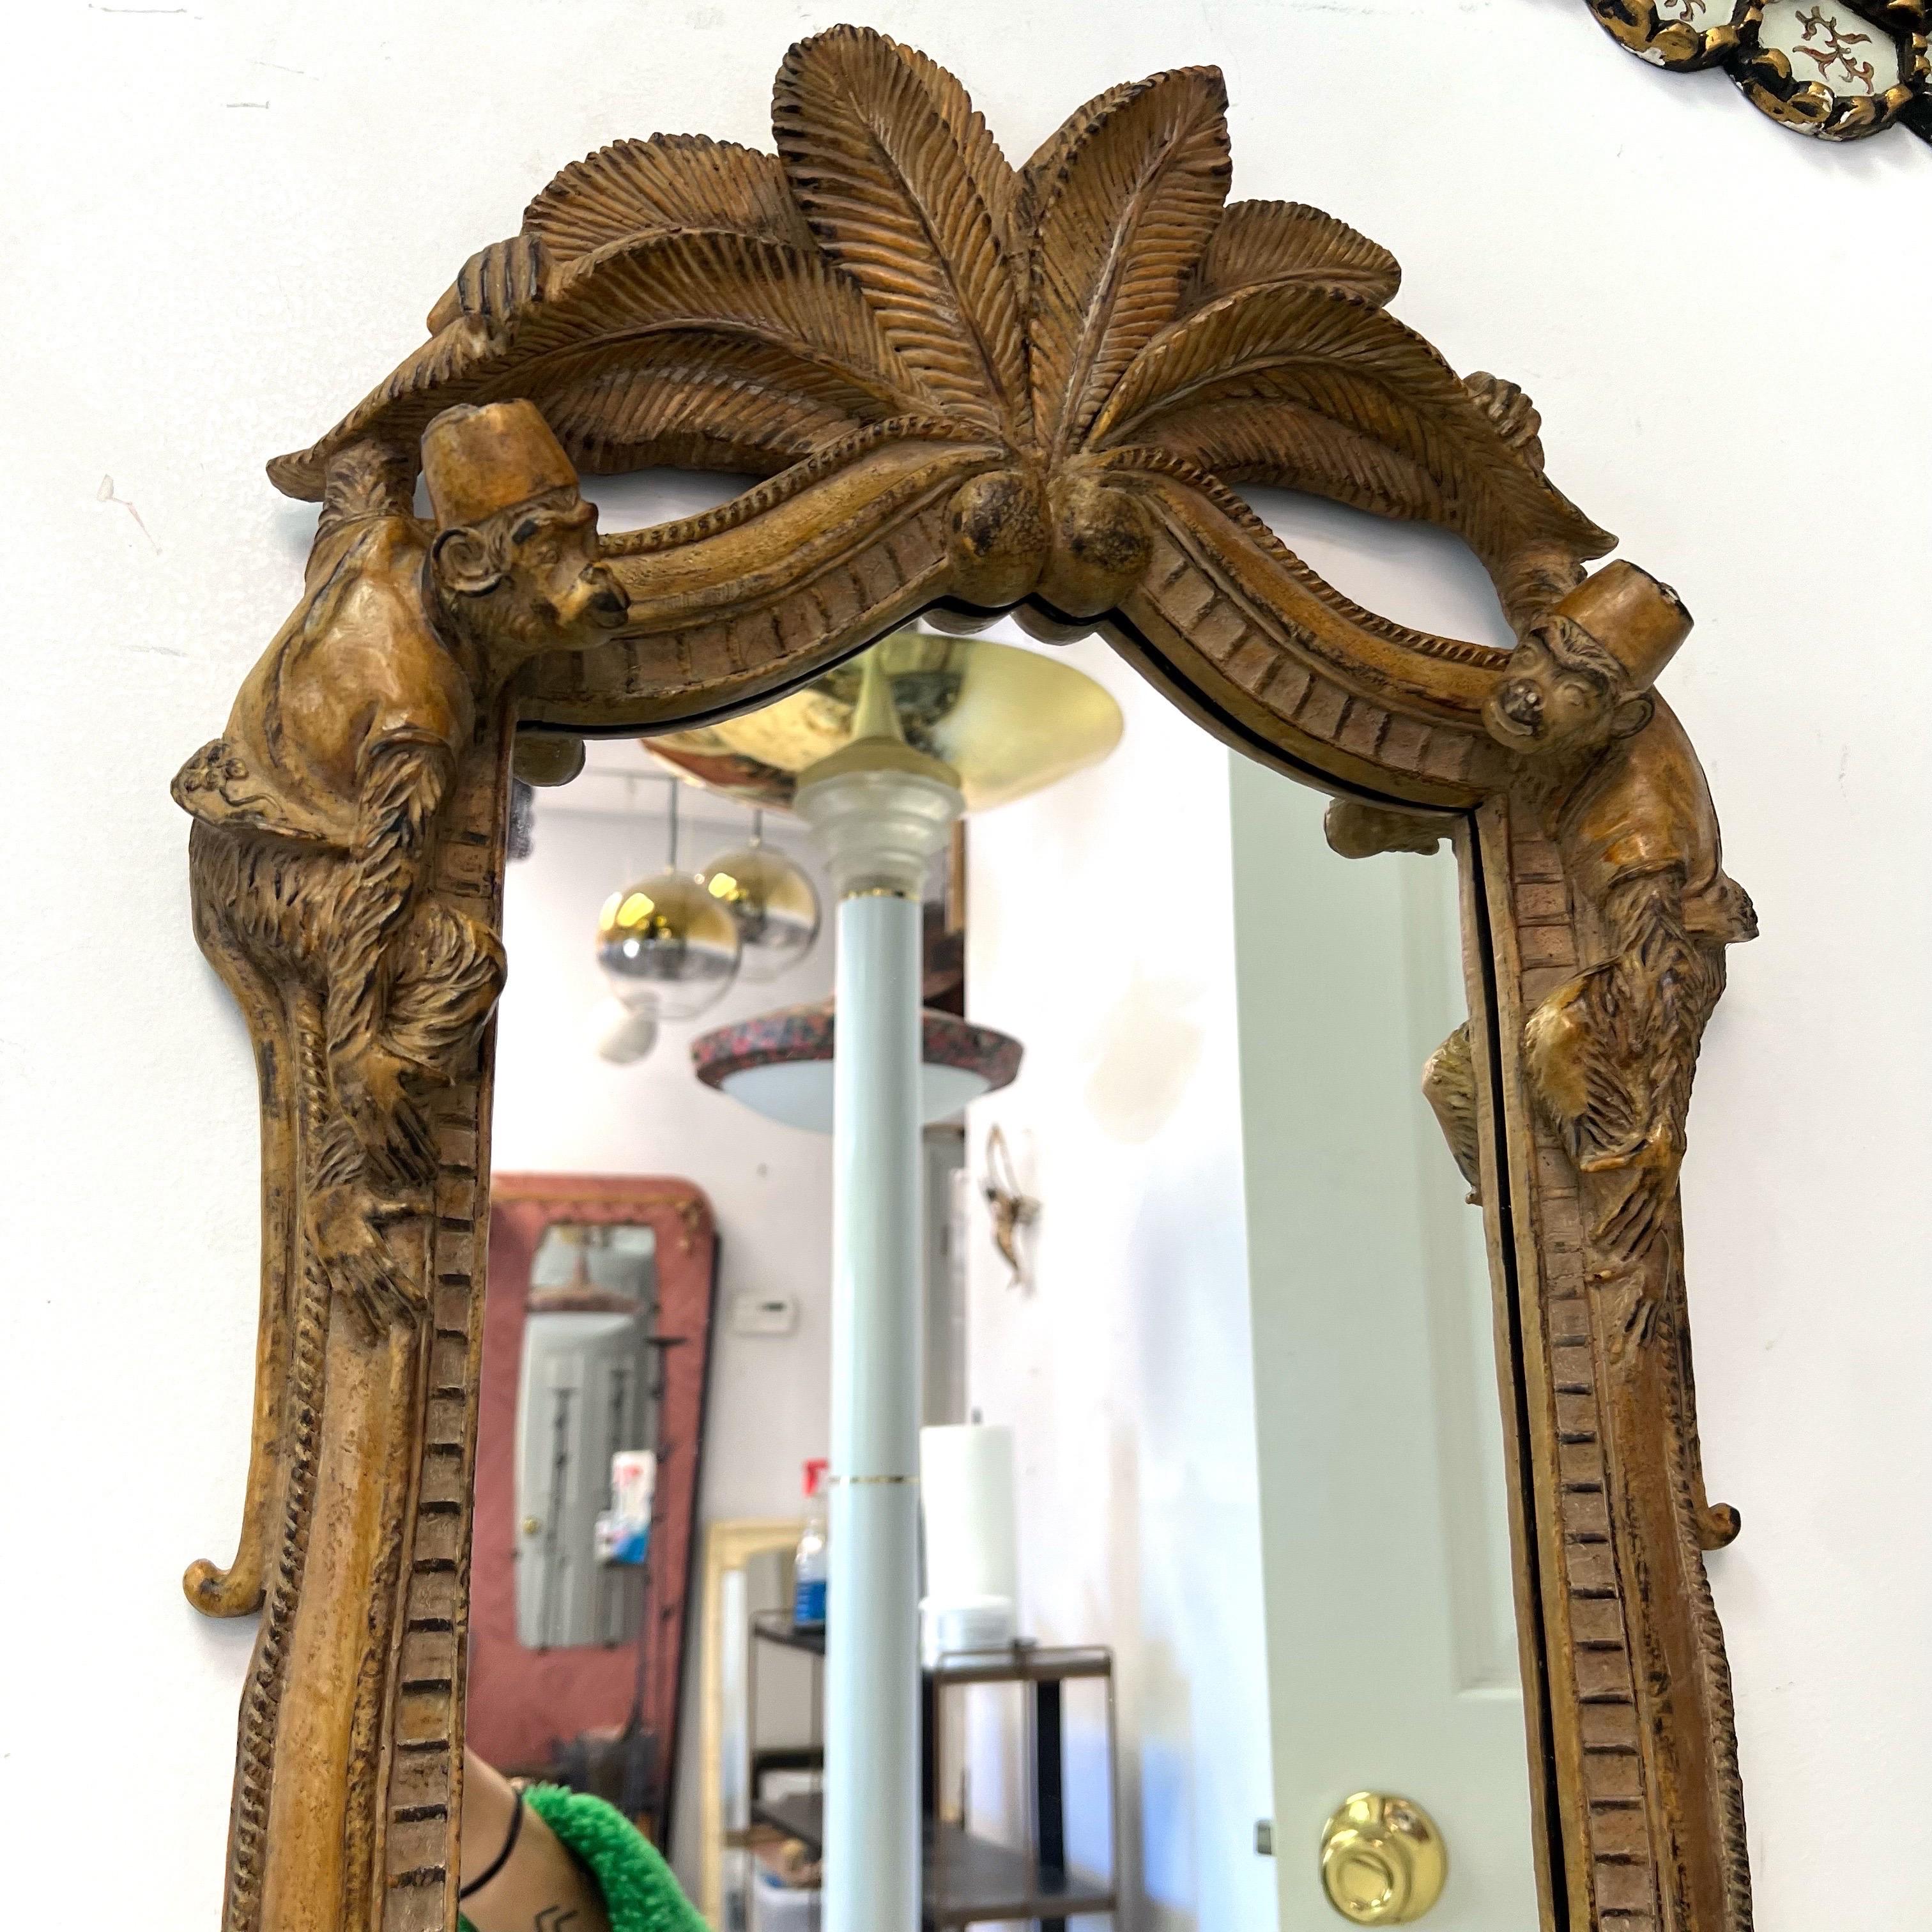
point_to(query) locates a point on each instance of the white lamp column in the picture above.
(882, 811)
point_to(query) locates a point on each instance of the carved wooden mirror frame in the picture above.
(971, 388)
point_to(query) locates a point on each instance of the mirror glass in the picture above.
(585, 1399)
(1209, 1363)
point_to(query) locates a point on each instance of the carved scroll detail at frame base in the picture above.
(1038, 389)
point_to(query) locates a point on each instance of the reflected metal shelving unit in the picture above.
(970, 1880)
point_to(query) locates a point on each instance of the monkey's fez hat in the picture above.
(478, 460)
(1640, 622)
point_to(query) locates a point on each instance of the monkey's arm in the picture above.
(403, 777)
(1449, 1086)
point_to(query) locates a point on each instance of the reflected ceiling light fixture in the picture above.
(780, 1064)
(986, 723)
(773, 899)
(669, 950)
(1004, 720)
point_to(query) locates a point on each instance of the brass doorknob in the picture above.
(1383, 1861)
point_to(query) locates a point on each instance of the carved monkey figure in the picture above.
(318, 813)
(1616, 785)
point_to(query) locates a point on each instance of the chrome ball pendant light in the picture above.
(773, 900)
(667, 946)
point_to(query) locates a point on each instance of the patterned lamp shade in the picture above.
(780, 1063)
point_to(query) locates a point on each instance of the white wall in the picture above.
(1721, 324)
(1099, 931)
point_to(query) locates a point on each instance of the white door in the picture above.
(1392, 1649)
(583, 1394)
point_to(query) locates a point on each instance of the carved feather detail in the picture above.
(1513, 414)
(668, 182)
(628, 305)
(686, 301)
(744, 406)
(904, 187)
(1260, 242)
(1127, 194)
(1297, 358)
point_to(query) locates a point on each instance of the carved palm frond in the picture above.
(641, 310)
(699, 404)
(1121, 202)
(1310, 387)
(669, 182)
(1256, 243)
(907, 190)
(681, 301)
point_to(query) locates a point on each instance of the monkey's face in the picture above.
(531, 576)
(1542, 703)
(553, 571)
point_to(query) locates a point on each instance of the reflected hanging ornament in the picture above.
(667, 946)
(622, 1035)
(773, 899)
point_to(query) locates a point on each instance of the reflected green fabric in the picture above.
(639, 1893)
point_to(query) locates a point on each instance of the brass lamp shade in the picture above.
(1007, 721)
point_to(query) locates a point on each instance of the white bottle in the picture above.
(809, 1568)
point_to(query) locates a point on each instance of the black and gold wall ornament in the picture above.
(1840, 70)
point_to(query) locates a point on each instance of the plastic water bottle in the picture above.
(808, 1570)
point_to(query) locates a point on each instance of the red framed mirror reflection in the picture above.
(596, 1353)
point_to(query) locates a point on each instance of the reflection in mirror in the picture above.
(1253, 1372)
(604, 1418)
(1832, 46)
(1217, 1539)
(596, 1349)
(1384, 1505)
(587, 1436)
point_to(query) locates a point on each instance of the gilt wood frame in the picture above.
(969, 388)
